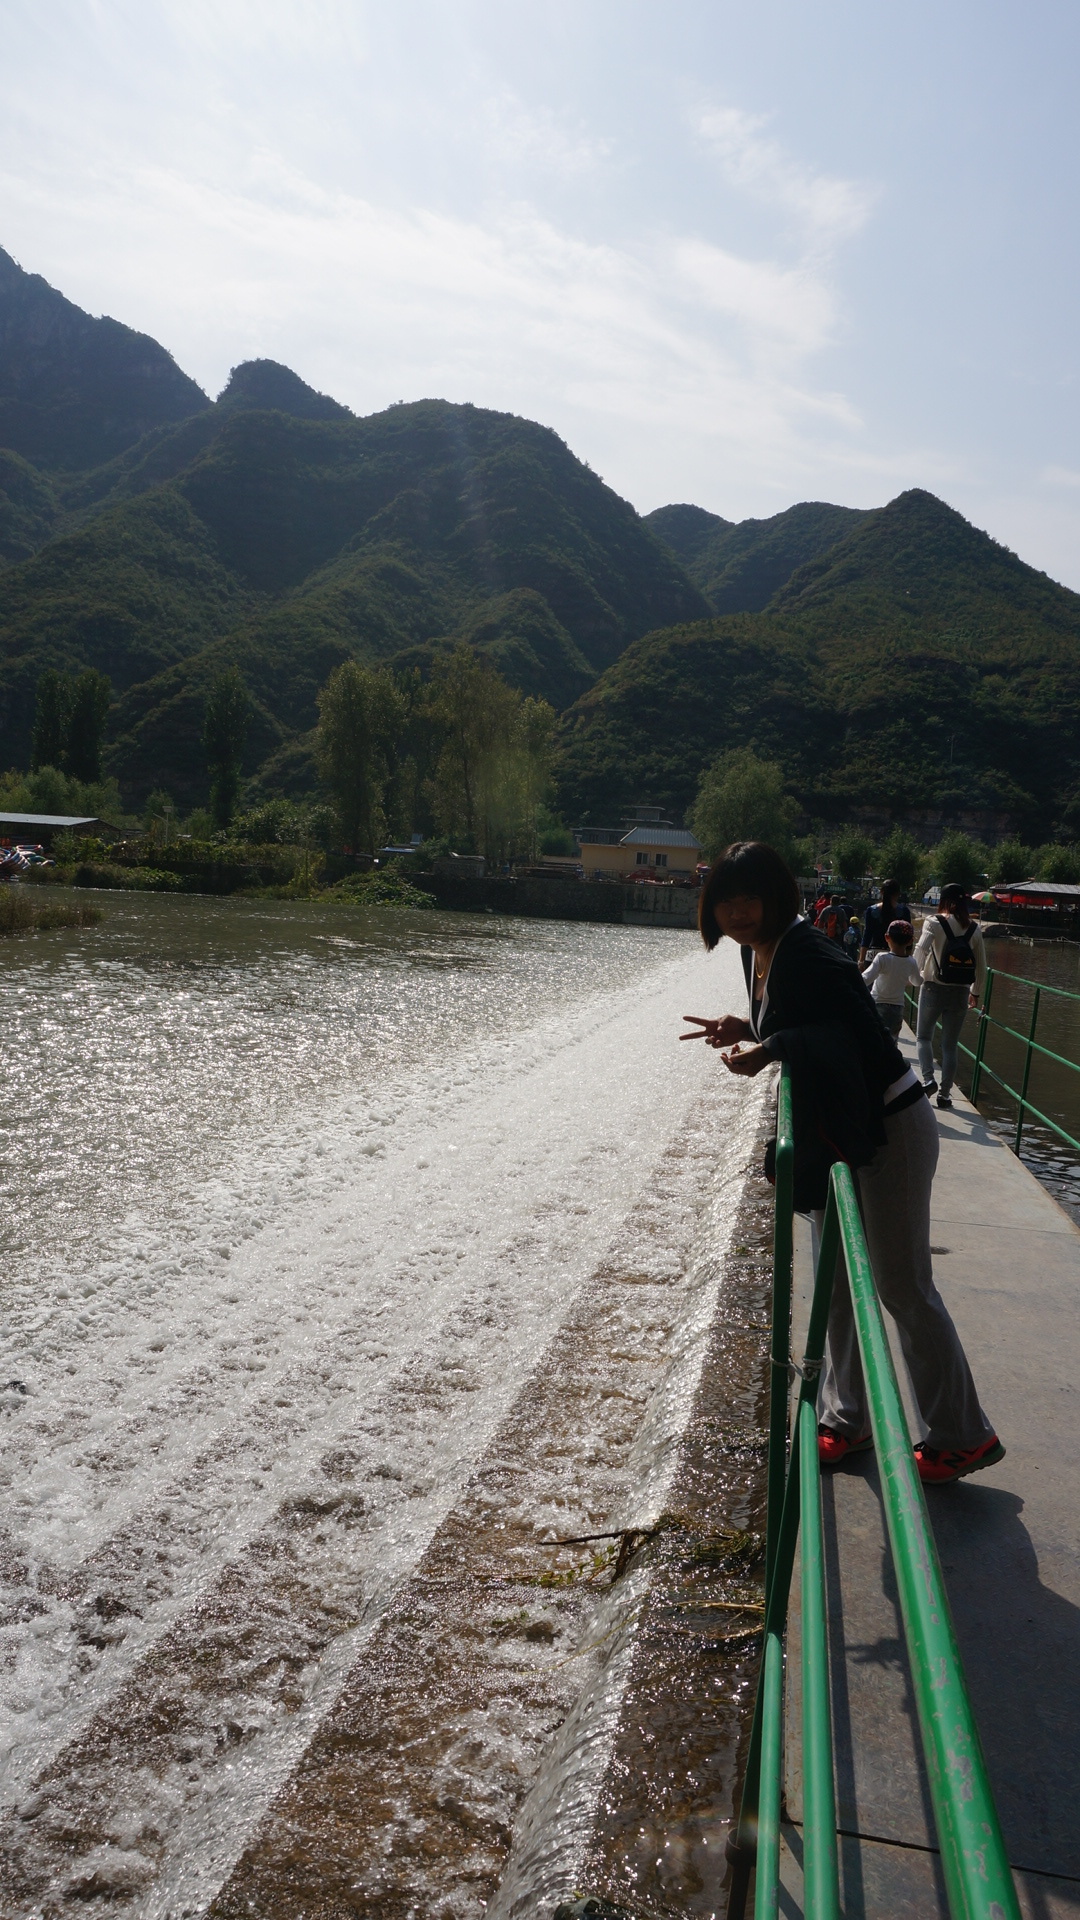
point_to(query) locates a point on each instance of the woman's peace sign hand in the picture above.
(718, 1033)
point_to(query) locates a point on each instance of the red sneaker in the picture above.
(832, 1447)
(937, 1465)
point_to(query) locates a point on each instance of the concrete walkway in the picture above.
(1008, 1264)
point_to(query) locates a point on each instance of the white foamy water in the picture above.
(297, 1199)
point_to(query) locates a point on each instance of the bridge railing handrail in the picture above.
(978, 1881)
(1032, 1046)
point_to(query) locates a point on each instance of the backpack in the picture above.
(956, 967)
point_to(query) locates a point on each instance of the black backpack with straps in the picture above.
(956, 965)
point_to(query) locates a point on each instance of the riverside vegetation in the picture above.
(20, 913)
(195, 573)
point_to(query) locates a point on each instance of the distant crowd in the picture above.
(947, 968)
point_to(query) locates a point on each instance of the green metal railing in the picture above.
(977, 1054)
(978, 1881)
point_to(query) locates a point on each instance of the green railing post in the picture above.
(780, 1346)
(980, 1043)
(749, 1834)
(821, 1885)
(1027, 1069)
(767, 1883)
(978, 1882)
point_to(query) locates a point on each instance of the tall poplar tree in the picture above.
(90, 697)
(495, 765)
(361, 715)
(225, 726)
(52, 711)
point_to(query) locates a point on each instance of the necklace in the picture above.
(759, 970)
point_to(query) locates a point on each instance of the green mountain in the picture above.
(289, 539)
(915, 667)
(896, 662)
(739, 566)
(29, 508)
(74, 391)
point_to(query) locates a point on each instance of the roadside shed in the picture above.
(42, 828)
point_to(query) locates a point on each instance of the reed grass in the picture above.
(19, 914)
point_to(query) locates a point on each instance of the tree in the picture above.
(958, 859)
(742, 798)
(90, 697)
(494, 770)
(52, 713)
(361, 714)
(1057, 863)
(535, 742)
(159, 814)
(225, 725)
(852, 854)
(1010, 860)
(901, 859)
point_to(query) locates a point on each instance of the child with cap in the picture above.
(890, 973)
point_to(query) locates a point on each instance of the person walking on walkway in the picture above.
(951, 958)
(853, 1099)
(891, 974)
(853, 938)
(833, 919)
(879, 919)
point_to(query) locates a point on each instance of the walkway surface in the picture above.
(1007, 1260)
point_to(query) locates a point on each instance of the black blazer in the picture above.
(819, 1017)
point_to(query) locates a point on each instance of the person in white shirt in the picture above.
(951, 958)
(891, 973)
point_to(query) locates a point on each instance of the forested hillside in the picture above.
(894, 662)
(74, 391)
(914, 666)
(740, 565)
(288, 540)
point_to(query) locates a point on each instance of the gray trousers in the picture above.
(949, 1005)
(894, 1199)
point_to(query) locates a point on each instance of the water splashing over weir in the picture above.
(289, 1631)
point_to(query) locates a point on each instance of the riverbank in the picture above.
(287, 872)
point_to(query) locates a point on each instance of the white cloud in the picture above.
(826, 209)
(790, 307)
(541, 139)
(510, 310)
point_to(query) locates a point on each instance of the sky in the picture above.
(736, 255)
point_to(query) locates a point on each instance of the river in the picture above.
(351, 1263)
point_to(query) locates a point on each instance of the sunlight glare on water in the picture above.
(298, 1205)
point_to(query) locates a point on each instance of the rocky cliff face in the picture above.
(74, 390)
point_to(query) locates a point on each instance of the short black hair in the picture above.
(751, 868)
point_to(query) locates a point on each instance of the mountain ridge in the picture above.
(887, 657)
(916, 665)
(74, 389)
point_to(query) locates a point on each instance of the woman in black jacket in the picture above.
(854, 1099)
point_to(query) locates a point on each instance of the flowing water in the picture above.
(352, 1263)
